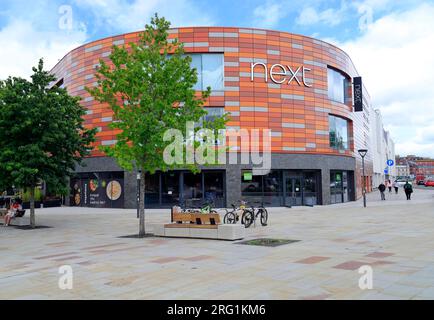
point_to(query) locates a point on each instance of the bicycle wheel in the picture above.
(229, 218)
(247, 218)
(264, 216)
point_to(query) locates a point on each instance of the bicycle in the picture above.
(232, 217)
(206, 207)
(252, 214)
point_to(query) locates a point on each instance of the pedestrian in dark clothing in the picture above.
(382, 188)
(408, 189)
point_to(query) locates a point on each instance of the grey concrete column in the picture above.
(325, 186)
(233, 184)
(130, 189)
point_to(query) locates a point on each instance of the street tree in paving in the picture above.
(42, 136)
(150, 88)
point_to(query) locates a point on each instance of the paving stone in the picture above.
(335, 241)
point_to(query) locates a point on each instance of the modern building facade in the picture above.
(298, 87)
(383, 149)
(402, 170)
(418, 167)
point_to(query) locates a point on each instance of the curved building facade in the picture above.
(298, 87)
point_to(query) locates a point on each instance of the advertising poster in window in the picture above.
(98, 190)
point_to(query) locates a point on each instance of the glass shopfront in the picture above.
(282, 187)
(183, 187)
(98, 190)
(340, 186)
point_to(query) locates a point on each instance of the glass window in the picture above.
(196, 62)
(338, 130)
(213, 113)
(336, 190)
(214, 189)
(210, 70)
(193, 187)
(250, 184)
(272, 183)
(170, 187)
(152, 189)
(337, 85)
(310, 188)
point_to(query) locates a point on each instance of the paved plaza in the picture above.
(395, 237)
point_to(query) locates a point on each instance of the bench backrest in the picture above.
(197, 218)
(182, 217)
(206, 218)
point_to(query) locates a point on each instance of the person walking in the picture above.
(382, 188)
(408, 189)
(396, 186)
(389, 185)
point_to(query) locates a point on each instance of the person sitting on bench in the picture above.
(15, 208)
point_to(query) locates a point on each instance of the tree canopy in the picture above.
(42, 135)
(150, 88)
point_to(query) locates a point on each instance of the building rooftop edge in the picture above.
(198, 27)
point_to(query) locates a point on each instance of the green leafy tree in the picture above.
(150, 88)
(42, 136)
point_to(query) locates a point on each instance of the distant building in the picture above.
(402, 170)
(383, 149)
(417, 165)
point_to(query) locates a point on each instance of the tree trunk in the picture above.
(142, 205)
(32, 207)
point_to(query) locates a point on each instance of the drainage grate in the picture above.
(267, 242)
(136, 236)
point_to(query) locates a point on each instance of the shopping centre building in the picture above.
(301, 88)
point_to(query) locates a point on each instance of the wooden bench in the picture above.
(195, 220)
(199, 225)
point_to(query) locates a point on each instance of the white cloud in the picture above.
(32, 30)
(310, 16)
(395, 58)
(268, 15)
(126, 16)
(22, 45)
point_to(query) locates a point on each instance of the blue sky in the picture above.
(391, 42)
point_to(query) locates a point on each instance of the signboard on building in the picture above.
(248, 176)
(358, 94)
(279, 73)
(98, 190)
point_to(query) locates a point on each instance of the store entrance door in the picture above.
(293, 195)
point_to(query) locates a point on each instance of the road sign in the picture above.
(386, 171)
(390, 162)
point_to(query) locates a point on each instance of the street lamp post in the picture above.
(363, 153)
(138, 193)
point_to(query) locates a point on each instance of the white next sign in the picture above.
(283, 73)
